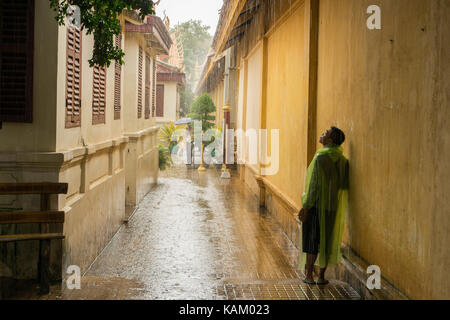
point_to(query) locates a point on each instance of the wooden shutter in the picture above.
(154, 89)
(73, 78)
(160, 100)
(117, 82)
(16, 60)
(99, 95)
(140, 83)
(147, 86)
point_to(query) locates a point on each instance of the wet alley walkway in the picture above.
(196, 236)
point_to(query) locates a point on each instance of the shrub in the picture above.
(165, 160)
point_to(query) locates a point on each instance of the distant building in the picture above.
(176, 53)
(170, 81)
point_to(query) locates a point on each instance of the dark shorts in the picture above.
(311, 232)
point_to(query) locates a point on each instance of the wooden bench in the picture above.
(44, 217)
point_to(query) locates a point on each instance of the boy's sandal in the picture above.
(309, 282)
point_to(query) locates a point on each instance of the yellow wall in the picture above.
(86, 134)
(94, 204)
(286, 102)
(389, 90)
(39, 135)
(130, 72)
(142, 155)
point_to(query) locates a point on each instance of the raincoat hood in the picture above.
(334, 152)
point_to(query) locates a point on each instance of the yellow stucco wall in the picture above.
(389, 90)
(86, 134)
(39, 135)
(131, 121)
(142, 155)
(286, 108)
(94, 204)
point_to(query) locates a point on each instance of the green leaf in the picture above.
(100, 18)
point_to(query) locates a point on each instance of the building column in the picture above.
(244, 73)
(263, 122)
(229, 100)
(312, 41)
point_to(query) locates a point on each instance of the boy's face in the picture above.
(325, 138)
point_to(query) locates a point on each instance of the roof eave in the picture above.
(154, 31)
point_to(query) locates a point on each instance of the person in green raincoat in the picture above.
(324, 205)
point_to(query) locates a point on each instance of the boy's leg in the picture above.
(322, 279)
(310, 233)
(310, 260)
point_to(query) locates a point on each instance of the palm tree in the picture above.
(166, 134)
(166, 145)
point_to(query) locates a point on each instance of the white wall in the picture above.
(170, 102)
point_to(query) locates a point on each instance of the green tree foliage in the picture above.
(166, 134)
(165, 160)
(203, 109)
(167, 142)
(100, 18)
(196, 42)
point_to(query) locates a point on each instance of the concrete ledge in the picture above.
(353, 271)
(288, 203)
(18, 159)
(58, 159)
(283, 213)
(133, 136)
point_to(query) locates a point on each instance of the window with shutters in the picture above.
(147, 86)
(160, 100)
(73, 78)
(99, 95)
(117, 82)
(140, 82)
(154, 89)
(16, 60)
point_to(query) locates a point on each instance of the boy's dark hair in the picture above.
(337, 135)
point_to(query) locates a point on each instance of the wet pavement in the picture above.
(196, 236)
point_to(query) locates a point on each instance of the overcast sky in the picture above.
(183, 10)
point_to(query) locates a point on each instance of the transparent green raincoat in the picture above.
(327, 190)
